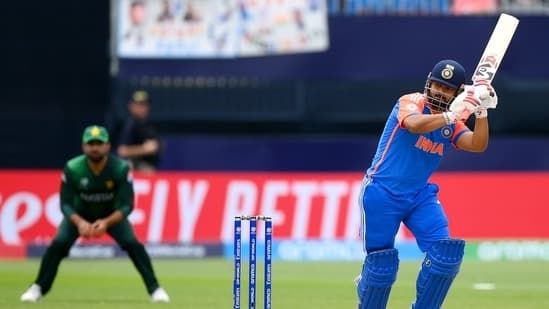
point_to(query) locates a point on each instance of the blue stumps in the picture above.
(252, 273)
(237, 262)
(268, 264)
(252, 270)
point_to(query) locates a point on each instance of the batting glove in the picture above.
(466, 103)
(486, 93)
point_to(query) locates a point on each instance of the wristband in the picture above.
(481, 113)
(449, 117)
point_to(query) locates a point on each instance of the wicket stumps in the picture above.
(252, 263)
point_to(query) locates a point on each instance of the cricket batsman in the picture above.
(96, 198)
(396, 187)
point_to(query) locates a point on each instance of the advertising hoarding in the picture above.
(219, 29)
(319, 209)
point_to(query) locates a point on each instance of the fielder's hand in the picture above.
(84, 229)
(99, 227)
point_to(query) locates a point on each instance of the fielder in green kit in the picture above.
(96, 198)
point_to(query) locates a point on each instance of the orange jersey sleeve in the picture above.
(410, 104)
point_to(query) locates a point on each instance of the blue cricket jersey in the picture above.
(405, 161)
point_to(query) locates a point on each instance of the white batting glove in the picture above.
(486, 93)
(466, 103)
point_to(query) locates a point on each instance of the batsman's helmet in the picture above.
(449, 73)
(446, 72)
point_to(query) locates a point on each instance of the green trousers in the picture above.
(67, 234)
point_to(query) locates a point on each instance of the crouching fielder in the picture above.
(96, 198)
(396, 188)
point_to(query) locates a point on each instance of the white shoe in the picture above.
(160, 296)
(33, 294)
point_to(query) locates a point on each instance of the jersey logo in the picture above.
(411, 107)
(446, 132)
(429, 146)
(109, 184)
(84, 183)
(448, 72)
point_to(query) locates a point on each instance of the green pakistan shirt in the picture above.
(96, 196)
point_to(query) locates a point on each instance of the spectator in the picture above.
(139, 142)
(166, 14)
(474, 7)
(138, 15)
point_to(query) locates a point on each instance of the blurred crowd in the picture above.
(437, 7)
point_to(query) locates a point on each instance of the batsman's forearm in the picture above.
(418, 124)
(481, 134)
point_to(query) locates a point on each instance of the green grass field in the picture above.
(208, 284)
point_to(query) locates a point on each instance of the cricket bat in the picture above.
(496, 48)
